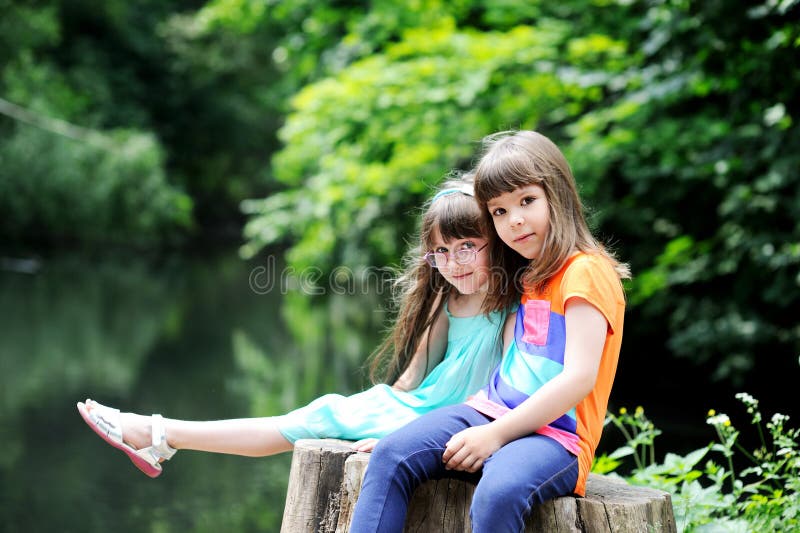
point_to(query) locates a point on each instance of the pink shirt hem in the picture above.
(482, 404)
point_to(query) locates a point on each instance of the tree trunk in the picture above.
(326, 479)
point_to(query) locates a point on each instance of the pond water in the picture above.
(183, 336)
(191, 337)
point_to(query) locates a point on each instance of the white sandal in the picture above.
(105, 421)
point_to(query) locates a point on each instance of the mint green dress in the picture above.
(473, 352)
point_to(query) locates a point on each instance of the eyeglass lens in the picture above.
(462, 257)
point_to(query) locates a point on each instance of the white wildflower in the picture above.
(718, 420)
(747, 399)
(779, 419)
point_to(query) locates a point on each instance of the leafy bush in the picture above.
(363, 147)
(694, 165)
(714, 495)
(110, 190)
(75, 167)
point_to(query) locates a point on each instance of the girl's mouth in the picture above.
(524, 237)
(462, 276)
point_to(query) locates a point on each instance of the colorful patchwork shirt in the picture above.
(537, 355)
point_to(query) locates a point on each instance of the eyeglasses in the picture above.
(464, 256)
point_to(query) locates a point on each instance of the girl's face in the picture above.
(468, 278)
(522, 219)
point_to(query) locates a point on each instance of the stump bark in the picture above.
(314, 493)
(326, 479)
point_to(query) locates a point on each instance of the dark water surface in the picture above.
(188, 337)
(183, 336)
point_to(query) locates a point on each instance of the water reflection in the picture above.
(185, 336)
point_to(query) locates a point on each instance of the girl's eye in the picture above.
(468, 245)
(499, 211)
(528, 200)
(440, 250)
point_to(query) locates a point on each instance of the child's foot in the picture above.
(141, 438)
(136, 429)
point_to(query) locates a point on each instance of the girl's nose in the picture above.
(515, 219)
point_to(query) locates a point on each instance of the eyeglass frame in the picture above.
(472, 254)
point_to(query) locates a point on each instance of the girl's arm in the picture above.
(586, 332)
(430, 351)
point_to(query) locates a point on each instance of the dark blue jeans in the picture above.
(524, 472)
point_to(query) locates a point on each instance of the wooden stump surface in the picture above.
(326, 479)
(314, 494)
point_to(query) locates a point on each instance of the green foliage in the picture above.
(713, 495)
(63, 190)
(144, 68)
(374, 139)
(99, 182)
(702, 160)
(25, 26)
(302, 34)
(639, 433)
(679, 130)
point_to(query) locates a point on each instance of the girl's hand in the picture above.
(468, 449)
(364, 445)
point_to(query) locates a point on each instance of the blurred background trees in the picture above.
(319, 126)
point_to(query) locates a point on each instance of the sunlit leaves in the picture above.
(375, 138)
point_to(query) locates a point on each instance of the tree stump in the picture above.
(326, 479)
(315, 486)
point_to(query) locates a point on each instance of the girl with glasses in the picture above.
(443, 346)
(530, 434)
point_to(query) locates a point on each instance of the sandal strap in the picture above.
(160, 446)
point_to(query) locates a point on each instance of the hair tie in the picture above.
(466, 189)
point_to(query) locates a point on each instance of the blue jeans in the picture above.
(522, 473)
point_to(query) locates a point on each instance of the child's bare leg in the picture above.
(253, 437)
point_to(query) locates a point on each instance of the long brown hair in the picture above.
(420, 289)
(512, 160)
